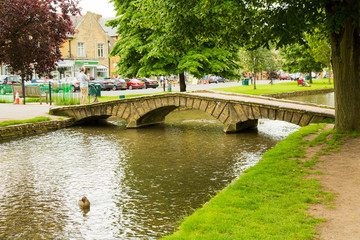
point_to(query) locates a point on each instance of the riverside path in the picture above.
(235, 111)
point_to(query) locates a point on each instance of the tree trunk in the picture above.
(346, 66)
(310, 77)
(182, 82)
(23, 87)
(254, 79)
(329, 68)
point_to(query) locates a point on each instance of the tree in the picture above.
(148, 46)
(31, 32)
(258, 60)
(299, 58)
(321, 49)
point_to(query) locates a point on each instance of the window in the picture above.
(100, 50)
(81, 49)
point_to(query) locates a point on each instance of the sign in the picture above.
(85, 63)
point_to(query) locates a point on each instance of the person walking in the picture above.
(84, 85)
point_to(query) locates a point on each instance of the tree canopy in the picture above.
(31, 33)
(149, 45)
(300, 58)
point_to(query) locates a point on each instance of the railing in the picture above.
(61, 93)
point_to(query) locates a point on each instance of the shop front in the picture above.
(64, 69)
(91, 67)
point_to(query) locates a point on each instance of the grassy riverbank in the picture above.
(278, 87)
(269, 200)
(15, 122)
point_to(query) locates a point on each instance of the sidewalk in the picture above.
(10, 111)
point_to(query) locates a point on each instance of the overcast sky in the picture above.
(102, 7)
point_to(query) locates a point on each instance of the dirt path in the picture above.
(341, 176)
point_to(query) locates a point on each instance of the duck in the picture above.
(84, 203)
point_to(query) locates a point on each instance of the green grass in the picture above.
(33, 120)
(277, 88)
(268, 201)
(109, 98)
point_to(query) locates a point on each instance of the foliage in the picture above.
(148, 45)
(320, 48)
(32, 31)
(33, 120)
(260, 59)
(299, 58)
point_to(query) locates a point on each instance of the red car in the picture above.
(284, 77)
(134, 83)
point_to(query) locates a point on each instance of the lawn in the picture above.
(15, 122)
(278, 87)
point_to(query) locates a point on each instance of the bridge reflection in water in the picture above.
(236, 111)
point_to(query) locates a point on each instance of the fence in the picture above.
(61, 93)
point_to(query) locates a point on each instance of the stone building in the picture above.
(89, 47)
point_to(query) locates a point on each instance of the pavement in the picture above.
(9, 111)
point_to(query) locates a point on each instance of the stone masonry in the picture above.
(235, 111)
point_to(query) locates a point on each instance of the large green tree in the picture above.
(300, 58)
(257, 60)
(319, 44)
(148, 46)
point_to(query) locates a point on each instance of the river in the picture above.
(140, 182)
(327, 99)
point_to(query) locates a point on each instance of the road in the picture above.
(189, 87)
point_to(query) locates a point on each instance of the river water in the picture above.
(321, 99)
(140, 182)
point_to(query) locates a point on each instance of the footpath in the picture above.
(9, 111)
(340, 176)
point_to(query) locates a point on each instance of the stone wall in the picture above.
(33, 128)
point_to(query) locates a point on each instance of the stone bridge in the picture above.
(235, 111)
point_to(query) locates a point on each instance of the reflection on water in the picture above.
(321, 99)
(140, 182)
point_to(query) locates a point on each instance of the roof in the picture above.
(111, 31)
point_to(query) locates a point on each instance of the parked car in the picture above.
(220, 79)
(134, 83)
(98, 81)
(38, 82)
(119, 83)
(149, 83)
(108, 83)
(284, 77)
(295, 76)
(7, 81)
(75, 84)
(10, 80)
(213, 79)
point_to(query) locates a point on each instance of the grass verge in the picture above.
(278, 87)
(33, 120)
(109, 98)
(268, 201)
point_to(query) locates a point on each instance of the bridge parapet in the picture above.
(236, 113)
